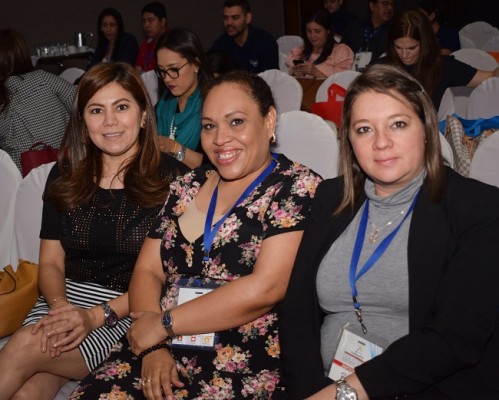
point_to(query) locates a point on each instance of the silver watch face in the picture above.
(345, 392)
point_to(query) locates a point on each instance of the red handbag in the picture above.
(34, 157)
(332, 109)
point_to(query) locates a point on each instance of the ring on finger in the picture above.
(146, 381)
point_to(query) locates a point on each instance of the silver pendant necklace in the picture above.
(374, 235)
(173, 129)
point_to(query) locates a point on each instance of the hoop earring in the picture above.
(273, 139)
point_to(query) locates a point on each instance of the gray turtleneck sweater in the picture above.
(383, 292)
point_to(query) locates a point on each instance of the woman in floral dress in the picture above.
(261, 203)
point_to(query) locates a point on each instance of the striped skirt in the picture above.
(96, 347)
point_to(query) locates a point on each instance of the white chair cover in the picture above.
(447, 105)
(492, 44)
(477, 58)
(478, 32)
(485, 163)
(287, 42)
(151, 81)
(343, 78)
(282, 62)
(71, 74)
(309, 140)
(446, 150)
(287, 91)
(466, 43)
(10, 178)
(28, 215)
(484, 100)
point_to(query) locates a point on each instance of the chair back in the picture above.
(446, 150)
(485, 162)
(72, 74)
(478, 32)
(343, 78)
(287, 91)
(484, 100)
(447, 105)
(28, 215)
(477, 58)
(151, 82)
(309, 140)
(288, 42)
(10, 178)
(492, 44)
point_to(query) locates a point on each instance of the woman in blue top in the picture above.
(182, 65)
(114, 44)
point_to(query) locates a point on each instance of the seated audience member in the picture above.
(34, 104)
(321, 56)
(100, 200)
(412, 45)
(339, 16)
(447, 35)
(220, 63)
(250, 48)
(154, 25)
(183, 67)
(368, 38)
(386, 259)
(114, 44)
(261, 201)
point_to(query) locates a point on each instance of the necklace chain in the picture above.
(374, 235)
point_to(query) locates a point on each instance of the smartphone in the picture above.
(296, 62)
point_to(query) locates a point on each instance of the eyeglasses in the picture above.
(386, 3)
(172, 72)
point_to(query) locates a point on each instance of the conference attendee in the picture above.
(382, 298)
(113, 43)
(321, 56)
(250, 48)
(225, 342)
(100, 200)
(447, 35)
(34, 104)
(220, 63)
(412, 45)
(184, 69)
(154, 25)
(339, 16)
(367, 38)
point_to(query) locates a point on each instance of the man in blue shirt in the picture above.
(250, 48)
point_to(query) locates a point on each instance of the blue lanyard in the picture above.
(209, 233)
(377, 253)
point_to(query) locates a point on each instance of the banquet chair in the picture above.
(477, 58)
(485, 163)
(492, 44)
(309, 140)
(446, 150)
(287, 91)
(287, 42)
(478, 32)
(28, 215)
(484, 100)
(343, 78)
(447, 105)
(151, 82)
(10, 178)
(72, 74)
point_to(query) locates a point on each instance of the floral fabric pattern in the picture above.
(244, 363)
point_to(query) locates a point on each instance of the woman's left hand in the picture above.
(306, 68)
(146, 330)
(76, 323)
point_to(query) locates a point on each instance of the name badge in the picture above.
(353, 350)
(362, 59)
(205, 341)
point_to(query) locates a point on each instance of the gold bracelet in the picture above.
(57, 299)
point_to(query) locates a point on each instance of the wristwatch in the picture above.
(110, 317)
(344, 391)
(167, 322)
(180, 155)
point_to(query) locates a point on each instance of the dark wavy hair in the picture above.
(395, 82)
(15, 59)
(415, 25)
(100, 49)
(320, 17)
(80, 161)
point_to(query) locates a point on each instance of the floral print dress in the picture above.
(244, 363)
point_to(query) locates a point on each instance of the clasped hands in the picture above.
(64, 328)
